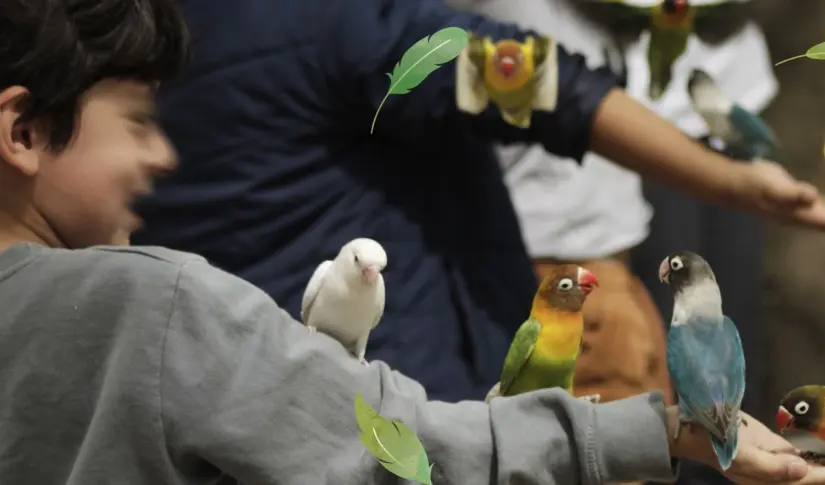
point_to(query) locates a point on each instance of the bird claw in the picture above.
(363, 361)
(495, 391)
(312, 330)
(680, 422)
(592, 398)
(740, 421)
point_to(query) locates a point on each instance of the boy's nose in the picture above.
(164, 157)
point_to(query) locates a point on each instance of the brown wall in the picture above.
(794, 295)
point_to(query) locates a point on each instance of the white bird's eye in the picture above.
(676, 264)
(801, 407)
(566, 284)
(355, 257)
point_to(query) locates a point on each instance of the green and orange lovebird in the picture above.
(801, 420)
(670, 23)
(803, 409)
(519, 77)
(544, 351)
(670, 27)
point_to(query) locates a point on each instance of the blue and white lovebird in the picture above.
(704, 354)
(745, 134)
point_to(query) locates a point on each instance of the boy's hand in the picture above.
(764, 457)
(768, 188)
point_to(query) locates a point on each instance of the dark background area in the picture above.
(794, 286)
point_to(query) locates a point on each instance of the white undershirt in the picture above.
(571, 212)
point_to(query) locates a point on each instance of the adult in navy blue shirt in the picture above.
(278, 171)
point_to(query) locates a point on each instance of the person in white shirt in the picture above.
(592, 214)
(732, 241)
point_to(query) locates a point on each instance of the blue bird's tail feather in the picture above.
(725, 451)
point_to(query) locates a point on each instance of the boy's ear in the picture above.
(17, 140)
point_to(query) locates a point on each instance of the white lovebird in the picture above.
(345, 297)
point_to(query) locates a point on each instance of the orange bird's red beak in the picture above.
(784, 419)
(587, 280)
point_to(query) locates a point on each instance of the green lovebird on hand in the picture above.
(544, 351)
(801, 420)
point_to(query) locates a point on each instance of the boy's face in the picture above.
(83, 195)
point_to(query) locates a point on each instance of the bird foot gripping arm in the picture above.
(495, 391)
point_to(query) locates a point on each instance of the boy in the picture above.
(148, 366)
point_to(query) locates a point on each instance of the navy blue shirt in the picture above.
(279, 170)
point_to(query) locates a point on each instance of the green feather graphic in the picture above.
(420, 60)
(816, 52)
(394, 444)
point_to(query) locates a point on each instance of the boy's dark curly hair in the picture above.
(58, 49)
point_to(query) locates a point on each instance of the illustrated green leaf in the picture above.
(393, 443)
(816, 53)
(420, 60)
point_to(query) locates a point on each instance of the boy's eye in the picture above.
(144, 119)
(143, 124)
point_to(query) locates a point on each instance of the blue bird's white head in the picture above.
(683, 269)
(706, 96)
(693, 283)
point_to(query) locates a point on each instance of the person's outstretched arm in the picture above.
(249, 390)
(370, 36)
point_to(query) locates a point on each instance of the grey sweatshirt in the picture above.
(149, 366)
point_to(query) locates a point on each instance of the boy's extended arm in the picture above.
(247, 389)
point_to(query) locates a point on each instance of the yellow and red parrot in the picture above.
(545, 348)
(518, 77)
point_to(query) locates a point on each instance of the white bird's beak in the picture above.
(370, 275)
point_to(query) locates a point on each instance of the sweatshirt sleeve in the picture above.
(248, 390)
(371, 36)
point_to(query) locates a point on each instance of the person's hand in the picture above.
(764, 457)
(768, 188)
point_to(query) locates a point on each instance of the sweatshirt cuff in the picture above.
(629, 441)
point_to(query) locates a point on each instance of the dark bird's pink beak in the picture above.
(587, 280)
(664, 271)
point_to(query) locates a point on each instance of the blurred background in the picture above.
(781, 332)
(794, 286)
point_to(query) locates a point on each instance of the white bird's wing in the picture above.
(313, 288)
(380, 300)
